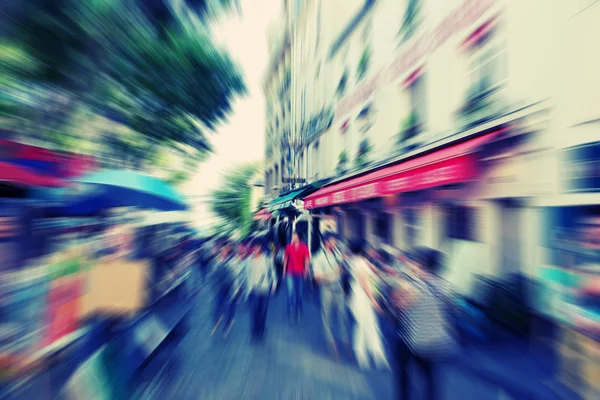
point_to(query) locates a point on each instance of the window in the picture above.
(365, 118)
(357, 225)
(317, 160)
(363, 64)
(383, 227)
(418, 98)
(461, 222)
(340, 225)
(342, 85)
(487, 60)
(303, 104)
(411, 222)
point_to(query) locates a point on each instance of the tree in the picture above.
(231, 201)
(142, 64)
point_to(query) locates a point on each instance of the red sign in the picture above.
(454, 170)
(63, 308)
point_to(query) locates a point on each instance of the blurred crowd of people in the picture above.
(359, 288)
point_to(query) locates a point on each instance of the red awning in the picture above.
(453, 164)
(262, 215)
(13, 174)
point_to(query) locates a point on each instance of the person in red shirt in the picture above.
(295, 270)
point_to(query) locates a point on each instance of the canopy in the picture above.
(119, 188)
(285, 200)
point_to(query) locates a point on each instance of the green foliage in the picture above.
(231, 201)
(342, 162)
(477, 98)
(178, 177)
(135, 62)
(364, 148)
(410, 126)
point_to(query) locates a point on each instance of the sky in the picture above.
(241, 139)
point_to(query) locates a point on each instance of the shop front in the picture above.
(291, 215)
(569, 266)
(396, 205)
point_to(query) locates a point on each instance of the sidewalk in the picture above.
(294, 363)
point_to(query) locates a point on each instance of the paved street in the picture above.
(292, 364)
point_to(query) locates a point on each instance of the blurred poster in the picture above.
(65, 295)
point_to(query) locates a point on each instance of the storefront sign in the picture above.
(457, 169)
(409, 60)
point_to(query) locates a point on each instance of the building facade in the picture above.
(467, 125)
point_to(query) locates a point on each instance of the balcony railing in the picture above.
(342, 165)
(482, 104)
(410, 129)
(362, 155)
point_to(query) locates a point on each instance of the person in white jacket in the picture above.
(261, 283)
(367, 336)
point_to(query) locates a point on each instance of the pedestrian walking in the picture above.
(278, 259)
(295, 270)
(328, 272)
(261, 283)
(426, 336)
(227, 281)
(367, 336)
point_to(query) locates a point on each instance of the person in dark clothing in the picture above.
(261, 283)
(227, 286)
(278, 258)
(425, 336)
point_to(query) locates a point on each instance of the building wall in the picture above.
(546, 68)
(529, 66)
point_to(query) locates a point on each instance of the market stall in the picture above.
(99, 267)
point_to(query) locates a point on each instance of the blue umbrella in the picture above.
(121, 188)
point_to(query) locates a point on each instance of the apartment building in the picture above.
(470, 126)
